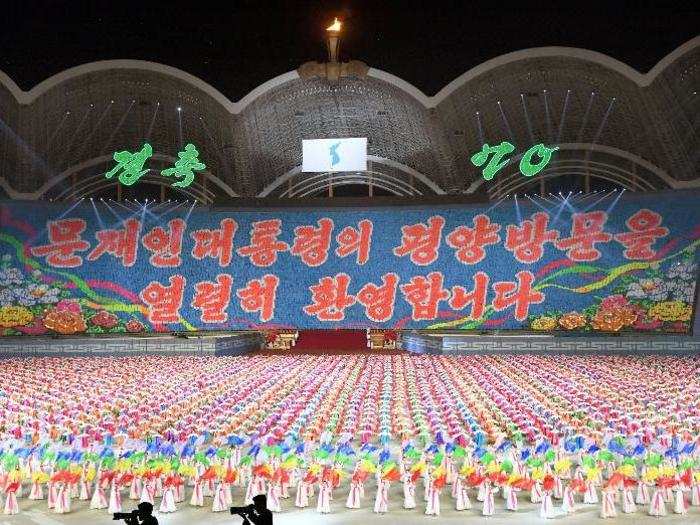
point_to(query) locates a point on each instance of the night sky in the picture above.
(238, 47)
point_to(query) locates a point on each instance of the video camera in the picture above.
(242, 510)
(125, 515)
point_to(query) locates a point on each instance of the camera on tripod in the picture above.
(125, 515)
(242, 510)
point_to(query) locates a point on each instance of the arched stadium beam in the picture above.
(612, 64)
(514, 185)
(615, 152)
(96, 161)
(373, 158)
(96, 183)
(612, 172)
(377, 179)
(346, 181)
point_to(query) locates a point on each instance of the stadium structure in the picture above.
(262, 335)
(615, 128)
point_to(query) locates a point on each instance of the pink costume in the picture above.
(427, 484)
(197, 499)
(167, 502)
(115, 498)
(180, 492)
(607, 507)
(628, 504)
(432, 508)
(642, 494)
(99, 499)
(135, 488)
(256, 486)
(462, 496)
(52, 496)
(62, 499)
(353, 501)
(324, 498)
(148, 494)
(680, 505)
(84, 494)
(489, 507)
(219, 503)
(568, 504)
(11, 505)
(510, 494)
(302, 497)
(558, 488)
(590, 497)
(227, 494)
(381, 500)
(695, 495)
(409, 493)
(546, 506)
(536, 493)
(274, 491)
(482, 491)
(657, 506)
(36, 492)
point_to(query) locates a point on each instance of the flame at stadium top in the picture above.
(614, 126)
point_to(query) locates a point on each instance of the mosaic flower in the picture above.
(684, 270)
(7, 297)
(614, 301)
(43, 293)
(678, 326)
(134, 326)
(683, 291)
(64, 322)
(613, 319)
(35, 328)
(11, 316)
(104, 319)
(671, 311)
(647, 324)
(655, 289)
(69, 305)
(11, 276)
(544, 323)
(572, 320)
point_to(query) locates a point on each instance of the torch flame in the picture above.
(335, 26)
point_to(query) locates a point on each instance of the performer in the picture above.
(167, 502)
(488, 508)
(353, 500)
(409, 489)
(607, 508)
(461, 489)
(197, 498)
(62, 498)
(11, 505)
(628, 504)
(324, 497)
(381, 500)
(115, 498)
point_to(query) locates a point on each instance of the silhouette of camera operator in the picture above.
(255, 514)
(144, 515)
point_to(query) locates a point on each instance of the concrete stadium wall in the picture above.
(448, 344)
(235, 344)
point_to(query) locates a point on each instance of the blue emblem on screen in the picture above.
(335, 158)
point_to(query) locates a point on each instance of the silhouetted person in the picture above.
(144, 517)
(259, 514)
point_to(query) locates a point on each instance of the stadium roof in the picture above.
(613, 124)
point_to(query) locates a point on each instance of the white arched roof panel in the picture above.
(641, 79)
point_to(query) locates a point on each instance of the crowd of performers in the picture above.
(484, 433)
